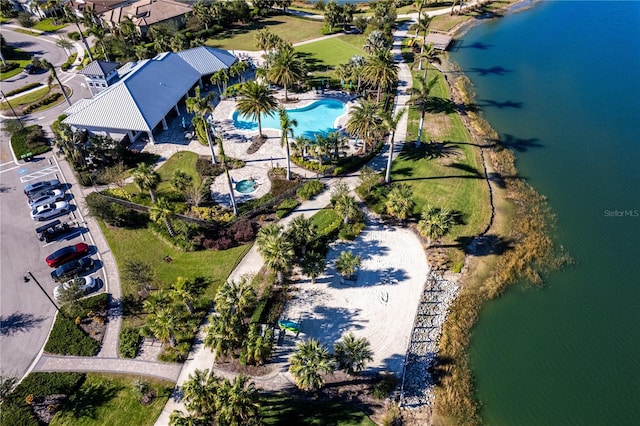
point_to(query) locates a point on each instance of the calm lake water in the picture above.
(561, 83)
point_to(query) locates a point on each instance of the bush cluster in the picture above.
(310, 165)
(23, 88)
(70, 60)
(66, 338)
(30, 139)
(286, 207)
(240, 232)
(129, 342)
(310, 189)
(10, 66)
(74, 35)
(204, 167)
(42, 102)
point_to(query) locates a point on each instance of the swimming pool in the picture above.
(246, 186)
(317, 117)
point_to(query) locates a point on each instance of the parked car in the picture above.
(46, 197)
(67, 254)
(87, 284)
(32, 69)
(43, 185)
(47, 211)
(53, 230)
(72, 269)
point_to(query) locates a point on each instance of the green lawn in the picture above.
(143, 245)
(281, 409)
(19, 56)
(111, 400)
(47, 25)
(290, 28)
(27, 98)
(26, 31)
(332, 51)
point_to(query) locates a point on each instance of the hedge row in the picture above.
(42, 102)
(29, 139)
(67, 338)
(23, 89)
(129, 342)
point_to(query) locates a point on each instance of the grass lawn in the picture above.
(326, 218)
(142, 244)
(331, 52)
(48, 25)
(281, 409)
(27, 98)
(19, 56)
(290, 28)
(26, 31)
(112, 400)
(185, 161)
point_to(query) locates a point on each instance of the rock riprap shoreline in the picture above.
(418, 381)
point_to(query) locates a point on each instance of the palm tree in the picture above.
(64, 43)
(435, 223)
(420, 96)
(390, 123)
(99, 32)
(428, 54)
(162, 212)
(301, 232)
(163, 326)
(287, 68)
(70, 14)
(181, 292)
(375, 42)
(235, 297)
(352, 354)
(178, 418)
(200, 393)
(223, 334)
(201, 106)
(277, 252)
(287, 125)
(53, 75)
(256, 100)
(347, 207)
(363, 121)
(258, 345)
(399, 202)
(223, 157)
(181, 180)
(237, 402)
(347, 264)
(147, 179)
(220, 77)
(308, 364)
(380, 70)
(156, 301)
(313, 265)
(423, 26)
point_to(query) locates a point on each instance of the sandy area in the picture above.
(380, 306)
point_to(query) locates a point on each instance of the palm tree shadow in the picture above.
(437, 105)
(466, 168)
(497, 70)
(518, 144)
(87, 400)
(18, 322)
(442, 149)
(488, 103)
(485, 245)
(328, 324)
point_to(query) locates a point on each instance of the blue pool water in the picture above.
(316, 118)
(246, 186)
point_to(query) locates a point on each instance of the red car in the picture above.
(66, 254)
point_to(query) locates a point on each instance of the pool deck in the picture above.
(271, 154)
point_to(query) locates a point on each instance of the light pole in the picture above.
(45, 293)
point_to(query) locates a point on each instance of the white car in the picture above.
(87, 284)
(47, 211)
(46, 197)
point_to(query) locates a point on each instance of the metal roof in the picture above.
(101, 68)
(207, 60)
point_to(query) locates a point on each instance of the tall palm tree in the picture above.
(352, 354)
(257, 345)
(363, 121)
(286, 124)
(70, 14)
(380, 70)
(162, 212)
(146, 179)
(163, 325)
(309, 363)
(64, 43)
(287, 68)
(278, 254)
(347, 207)
(347, 264)
(399, 202)
(423, 26)
(201, 106)
(255, 100)
(99, 32)
(428, 54)
(200, 392)
(435, 223)
(232, 195)
(181, 292)
(237, 402)
(313, 265)
(301, 232)
(53, 75)
(220, 77)
(420, 96)
(390, 123)
(235, 297)
(223, 334)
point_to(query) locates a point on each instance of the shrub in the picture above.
(280, 186)
(42, 102)
(351, 231)
(286, 207)
(67, 339)
(74, 35)
(310, 189)
(10, 66)
(242, 231)
(30, 139)
(310, 165)
(23, 88)
(129, 342)
(387, 383)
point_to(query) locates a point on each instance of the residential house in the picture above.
(144, 13)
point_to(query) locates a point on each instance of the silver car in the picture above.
(46, 197)
(47, 211)
(32, 188)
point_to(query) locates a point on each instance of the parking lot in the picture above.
(25, 312)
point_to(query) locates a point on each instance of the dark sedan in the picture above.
(71, 269)
(67, 254)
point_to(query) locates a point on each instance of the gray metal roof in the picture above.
(100, 68)
(207, 60)
(141, 99)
